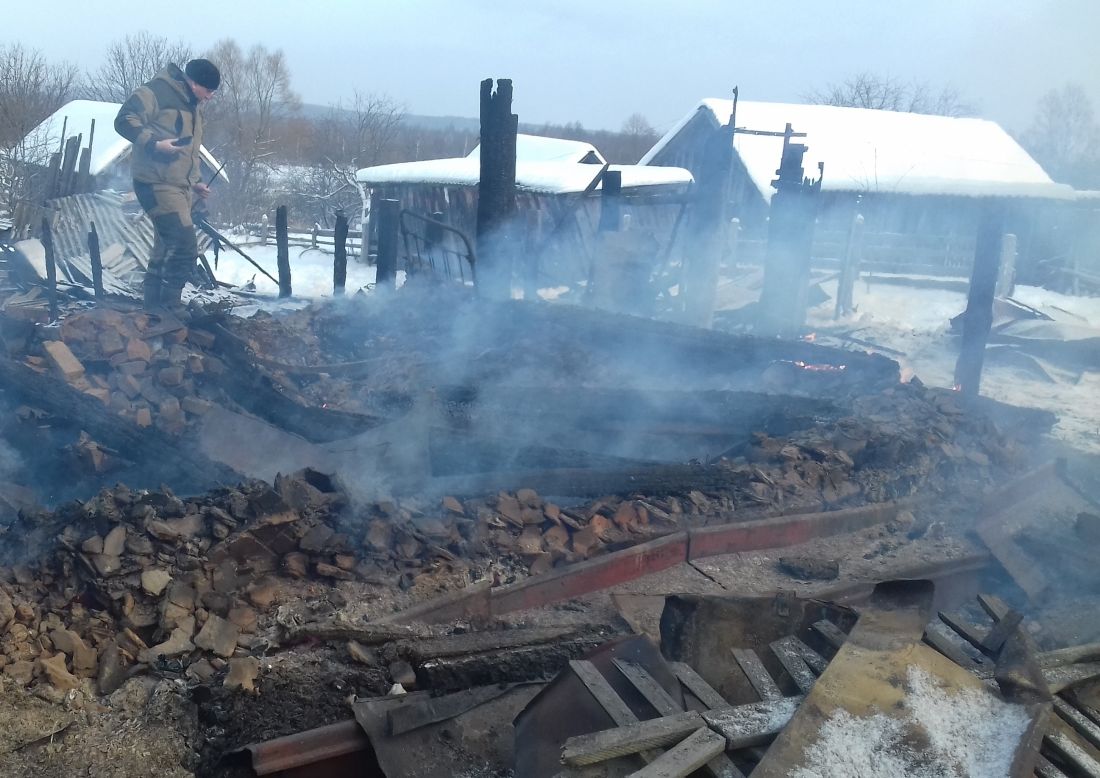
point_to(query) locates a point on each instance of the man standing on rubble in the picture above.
(163, 122)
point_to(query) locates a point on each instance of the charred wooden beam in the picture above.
(340, 255)
(978, 318)
(496, 202)
(282, 252)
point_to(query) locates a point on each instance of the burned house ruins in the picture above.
(504, 501)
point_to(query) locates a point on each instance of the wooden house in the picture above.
(917, 180)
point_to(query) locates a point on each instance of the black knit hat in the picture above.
(204, 73)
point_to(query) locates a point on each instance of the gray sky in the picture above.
(598, 62)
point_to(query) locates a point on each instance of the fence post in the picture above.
(51, 266)
(389, 228)
(313, 235)
(97, 261)
(978, 317)
(849, 271)
(263, 230)
(340, 254)
(282, 252)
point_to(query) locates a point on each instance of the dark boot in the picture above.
(152, 293)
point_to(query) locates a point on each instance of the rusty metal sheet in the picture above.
(307, 748)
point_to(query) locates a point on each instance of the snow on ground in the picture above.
(970, 732)
(915, 321)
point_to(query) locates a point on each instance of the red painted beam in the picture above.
(591, 575)
(786, 530)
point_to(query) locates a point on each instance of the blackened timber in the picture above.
(797, 667)
(97, 260)
(340, 255)
(831, 633)
(759, 677)
(978, 318)
(695, 684)
(257, 393)
(51, 266)
(647, 686)
(496, 188)
(283, 252)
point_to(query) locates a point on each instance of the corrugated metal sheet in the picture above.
(125, 239)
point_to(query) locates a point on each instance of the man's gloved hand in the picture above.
(201, 189)
(168, 146)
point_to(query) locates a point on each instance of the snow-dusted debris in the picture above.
(969, 733)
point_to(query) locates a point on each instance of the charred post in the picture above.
(97, 261)
(611, 212)
(340, 254)
(51, 266)
(389, 227)
(790, 243)
(282, 252)
(66, 181)
(978, 318)
(496, 187)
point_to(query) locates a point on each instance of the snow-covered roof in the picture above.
(868, 150)
(108, 147)
(538, 148)
(548, 165)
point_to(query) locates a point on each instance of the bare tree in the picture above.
(130, 62)
(638, 137)
(887, 93)
(31, 89)
(1064, 137)
(255, 94)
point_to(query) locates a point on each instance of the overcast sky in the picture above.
(598, 61)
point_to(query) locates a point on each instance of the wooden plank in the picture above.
(599, 688)
(1087, 652)
(1044, 768)
(993, 605)
(968, 631)
(816, 661)
(687, 757)
(629, 739)
(754, 670)
(654, 693)
(996, 637)
(795, 665)
(1059, 678)
(695, 684)
(935, 637)
(1085, 727)
(1074, 754)
(832, 634)
(752, 724)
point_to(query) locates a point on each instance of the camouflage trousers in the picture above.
(175, 248)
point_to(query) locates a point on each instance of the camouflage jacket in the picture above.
(161, 109)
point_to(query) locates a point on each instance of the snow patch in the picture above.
(970, 734)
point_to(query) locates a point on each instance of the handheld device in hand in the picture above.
(185, 141)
